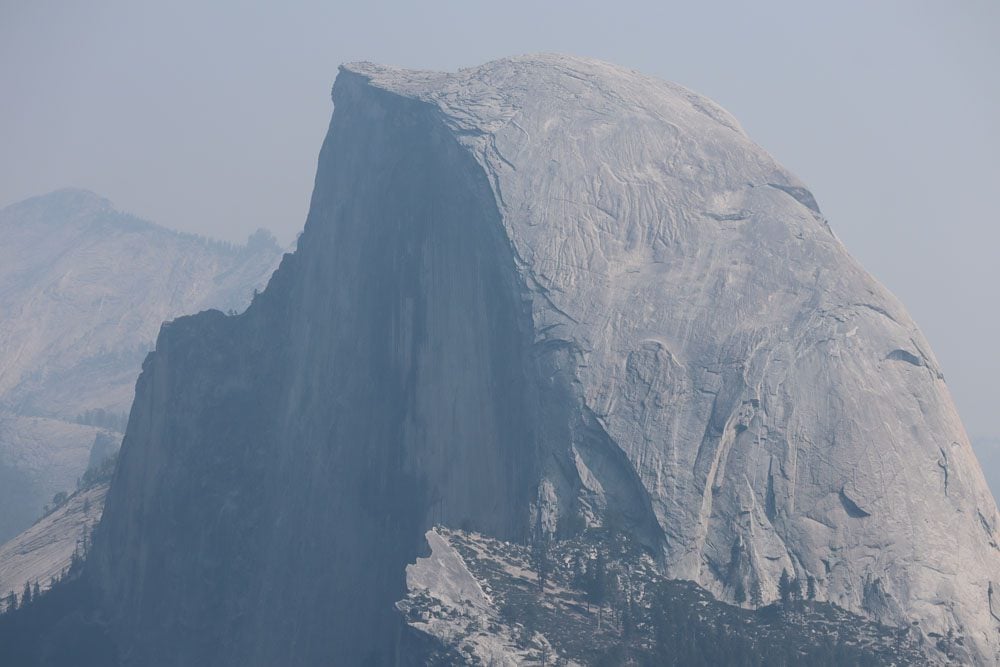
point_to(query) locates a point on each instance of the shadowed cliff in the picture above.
(280, 467)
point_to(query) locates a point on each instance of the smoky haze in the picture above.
(208, 117)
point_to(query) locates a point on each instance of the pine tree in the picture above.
(541, 561)
(811, 587)
(579, 573)
(756, 595)
(597, 584)
(581, 579)
(36, 592)
(785, 586)
(795, 589)
(26, 595)
(76, 558)
(740, 595)
(628, 618)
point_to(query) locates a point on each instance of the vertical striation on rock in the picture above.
(280, 467)
(533, 295)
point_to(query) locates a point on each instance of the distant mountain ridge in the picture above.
(84, 288)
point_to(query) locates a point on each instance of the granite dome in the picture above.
(535, 293)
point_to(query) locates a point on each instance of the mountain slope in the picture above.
(83, 291)
(44, 551)
(39, 457)
(534, 296)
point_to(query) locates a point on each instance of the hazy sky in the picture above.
(208, 117)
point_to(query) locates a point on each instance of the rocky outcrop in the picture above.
(480, 602)
(84, 291)
(533, 296)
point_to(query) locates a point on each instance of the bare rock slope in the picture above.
(45, 551)
(531, 296)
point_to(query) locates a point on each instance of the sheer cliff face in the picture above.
(537, 293)
(280, 467)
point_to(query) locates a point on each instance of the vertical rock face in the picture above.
(280, 467)
(533, 295)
